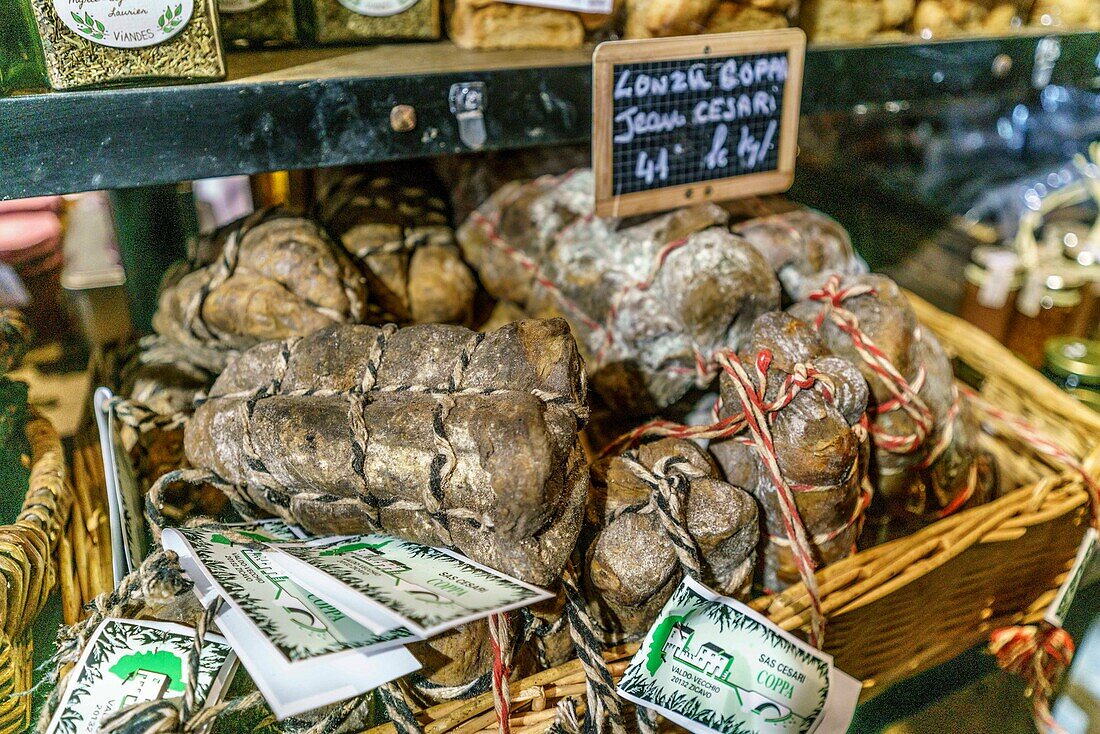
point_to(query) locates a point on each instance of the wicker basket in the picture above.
(905, 606)
(27, 553)
(84, 551)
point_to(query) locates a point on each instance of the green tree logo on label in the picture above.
(673, 641)
(147, 676)
(341, 550)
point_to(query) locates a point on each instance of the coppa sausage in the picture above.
(435, 433)
(819, 446)
(927, 458)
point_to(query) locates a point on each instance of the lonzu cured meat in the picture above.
(649, 302)
(434, 433)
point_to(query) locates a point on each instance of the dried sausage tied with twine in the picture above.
(660, 511)
(400, 233)
(790, 429)
(817, 437)
(434, 433)
(650, 303)
(927, 461)
(272, 276)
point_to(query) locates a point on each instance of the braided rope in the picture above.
(548, 397)
(802, 378)
(205, 620)
(220, 272)
(142, 418)
(154, 498)
(647, 720)
(374, 358)
(440, 470)
(200, 362)
(669, 481)
(603, 701)
(565, 718)
(397, 709)
(160, 715)
(471, 688)
(159, 578)
(338, 716)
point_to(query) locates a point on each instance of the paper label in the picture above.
(378, 8)
(125, 23)
(598, 7)
(429, 590)
(125, 498)
(127, 662)
(1086, 553)
(711, 664)
(298, 623)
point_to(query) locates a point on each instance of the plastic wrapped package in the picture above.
(486, 24)
(946, 18)
(661, 18)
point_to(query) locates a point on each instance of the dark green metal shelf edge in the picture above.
(76, 141)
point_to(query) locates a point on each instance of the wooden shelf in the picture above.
(331, 106)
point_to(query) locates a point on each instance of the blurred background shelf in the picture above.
(322, 107)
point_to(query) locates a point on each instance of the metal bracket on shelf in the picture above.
(467, 105)
(1047, 53)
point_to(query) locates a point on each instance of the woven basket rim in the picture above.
(42, 517)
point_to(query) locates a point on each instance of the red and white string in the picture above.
(756, 416)
(500, 639)
(1039, 654)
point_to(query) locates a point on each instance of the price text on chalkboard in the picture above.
(701, 118)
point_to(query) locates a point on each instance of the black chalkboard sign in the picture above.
(698, 118)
